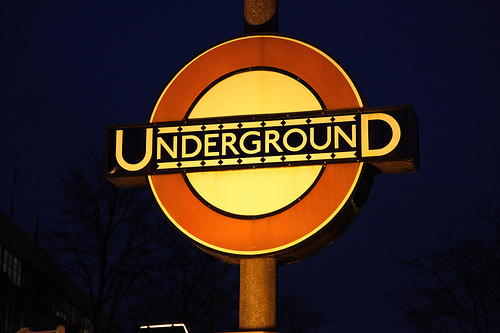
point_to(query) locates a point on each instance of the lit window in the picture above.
(11, 266)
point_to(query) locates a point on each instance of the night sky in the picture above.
(70, 68)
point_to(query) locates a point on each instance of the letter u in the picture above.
(147, 156)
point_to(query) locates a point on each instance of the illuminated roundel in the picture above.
(286, 212)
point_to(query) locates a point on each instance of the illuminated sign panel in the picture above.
(370, 135)
(166, 328)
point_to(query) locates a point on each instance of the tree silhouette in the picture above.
(108, 239)
(194, 289)
(296, 315)
(457, 288)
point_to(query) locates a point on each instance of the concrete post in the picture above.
(258, 276)
(261, 16)
(258, 289)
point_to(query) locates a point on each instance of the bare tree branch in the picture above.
(458, 288)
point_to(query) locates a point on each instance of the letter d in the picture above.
(365, 144)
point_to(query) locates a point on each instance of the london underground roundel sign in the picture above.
(256, 147)
(260, 211)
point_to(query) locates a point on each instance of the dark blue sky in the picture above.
(69, 68)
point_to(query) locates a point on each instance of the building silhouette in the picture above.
(34, 293)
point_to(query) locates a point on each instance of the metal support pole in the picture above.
(260, 16)
(258, 289)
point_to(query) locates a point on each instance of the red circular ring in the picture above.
(269, 235)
